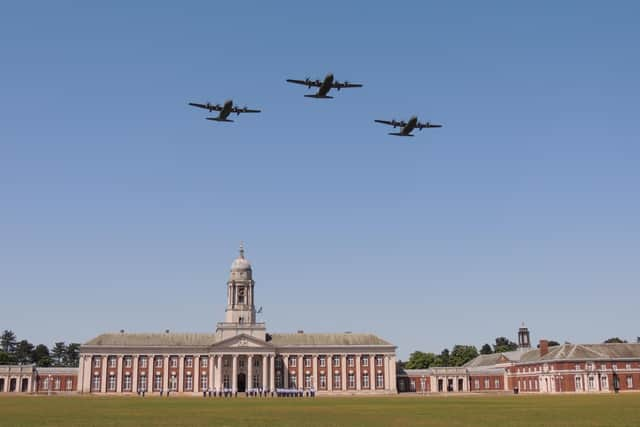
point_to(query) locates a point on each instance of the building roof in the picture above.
(326, 339)
(585, 352)
(496, 358)
(153, 339)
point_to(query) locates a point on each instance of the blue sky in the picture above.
(122, 208)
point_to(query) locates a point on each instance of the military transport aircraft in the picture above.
(226, 109)
(324, 86)
(407, 127)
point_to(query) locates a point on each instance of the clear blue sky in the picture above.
(121, 207)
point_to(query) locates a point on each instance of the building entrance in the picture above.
(242, 383)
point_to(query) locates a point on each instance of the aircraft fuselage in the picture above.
(226, 110)
(324, 89)
(410, 126)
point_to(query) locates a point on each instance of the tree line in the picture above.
(13, 351)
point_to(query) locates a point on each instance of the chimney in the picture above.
(544, 347)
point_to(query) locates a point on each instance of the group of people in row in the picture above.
(252, 392)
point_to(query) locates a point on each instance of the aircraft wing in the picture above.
(243, 110)
(345, 85)
(307, 82)
(206, 106)
(391, 123)
(427, 125)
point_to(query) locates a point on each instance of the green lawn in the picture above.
(568, 410)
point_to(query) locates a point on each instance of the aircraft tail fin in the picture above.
(318, 96)
(218, 119)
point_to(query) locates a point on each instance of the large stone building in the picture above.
(240, 355)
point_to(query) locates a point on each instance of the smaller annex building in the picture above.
(574, 368)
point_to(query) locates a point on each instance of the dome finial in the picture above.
(241, 249)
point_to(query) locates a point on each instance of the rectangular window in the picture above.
(225, 362)
(112, 383)
(293, 381)
(188, 361)
(578, 383)
(56, 384)
(496, 383)
(188, 386)
(603, 366)
(336, 360)
(203, 382)
(95, 383)
(142, 383)
(351, 380)
(173, 362)
(97, 361)
(614, 367)
(112, 362)
(476, 384)
(577, 366)
(173, 383)
(350, 361)
(240, 363)
(486, 383)
(143, 361)
(204, 361)
(278, 379)
(629, 382)
(323, 382)
(336, 381)
(379, 381)
(323, 361)
(307, 362)
(69, 384)
(158, 362)
(628, 366)
(128, 361)
(126, 386)
(365, 360)
(605, 382)
(256, 362)
(307, 380)
(365, 380)
(379, 361)
(293, 361)
(157, 382)
(225, 382)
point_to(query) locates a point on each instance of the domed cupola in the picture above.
(241, 267)
(240, 306)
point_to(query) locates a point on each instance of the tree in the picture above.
(486, 349)
(8, 341)
(443, 358)
(615, 340)
(420, 360)
(23, 351)
(461, 354)
(40, 355)
(503, 345)
(72, 357)
(58, 353)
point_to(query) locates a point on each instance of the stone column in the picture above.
(249, 372)
(219, 372)
(103, 382)
(88, 374)
(234, 373)
(358, 372)
(263, 382)
(119, 374)
(181, 373)
(212, 371)
(134, 377)
(150, 371)
(314, 368)
(343, 369)
(328, 360)
(272, 374)
(165, 373)
(386, 372)
(80, 375)
(285, 370)
(300, 371)
(196, 373)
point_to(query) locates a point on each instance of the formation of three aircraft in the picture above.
(324, 86)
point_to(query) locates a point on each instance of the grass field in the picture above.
(569, 410)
